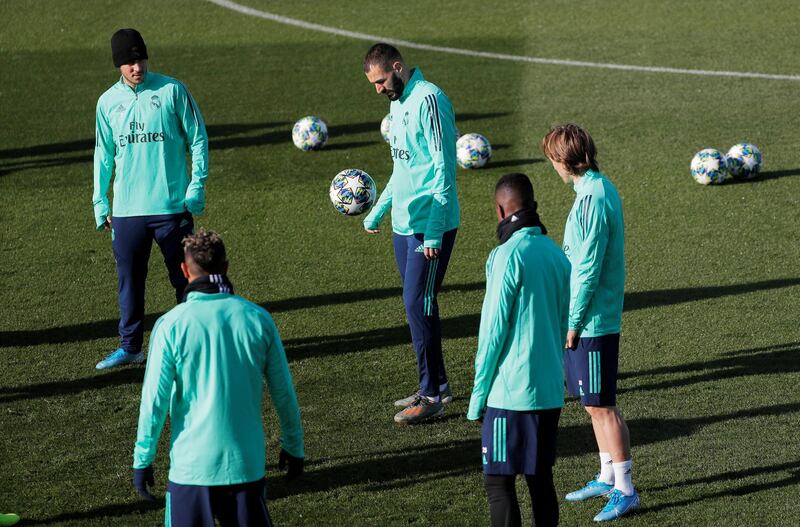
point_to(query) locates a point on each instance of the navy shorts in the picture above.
(591, 370)
(232, 505)
(514, 442)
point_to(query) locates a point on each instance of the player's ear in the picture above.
(501, 214)
(185, 270)
(397, 66)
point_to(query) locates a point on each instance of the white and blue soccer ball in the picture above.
(743, 161)
(385, 124)
(353, 192)
(708, 167)
(473, 151)
(310, 133)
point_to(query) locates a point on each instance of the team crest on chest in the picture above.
(405, 119)
(155, 102)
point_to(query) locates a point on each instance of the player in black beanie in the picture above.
(127, 45)
(144, 125)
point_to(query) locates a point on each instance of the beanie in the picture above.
(127, 46)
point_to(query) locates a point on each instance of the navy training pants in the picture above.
(241, 505)
(421, 280)
(132, 238)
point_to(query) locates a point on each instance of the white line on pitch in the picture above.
(488, 55)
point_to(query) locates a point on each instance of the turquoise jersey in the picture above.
(142, 135)
(519, 363)
(206, 366)
(594, 243)
(422, 189)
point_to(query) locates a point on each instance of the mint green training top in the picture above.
(594, 243)
(519, 364)
(141, 135)
(207, 362)
(422, 189)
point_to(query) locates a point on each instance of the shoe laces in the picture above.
(615, 497)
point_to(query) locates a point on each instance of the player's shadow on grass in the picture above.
(106, 511)
(732, 480)
(7, 168)
(384, 471)
(128, 375)
(765, 176)
(778, 359)
(664, 297)
(218, 134)
(576, 440)
(109, 328)
(633, 301)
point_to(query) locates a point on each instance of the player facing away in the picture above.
(425, 213)
(594, 243)
(206, 367)
(145, 123)
(519, 375)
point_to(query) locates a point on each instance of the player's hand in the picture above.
(294, 465)
(431, 253)
(142, 478)
(105, 226)
(572, 340)
(372, 231)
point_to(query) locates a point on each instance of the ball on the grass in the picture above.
(743, 161)
(310, 133)
(708, 167)
(473, 151)
(353, 192)
(385, 124)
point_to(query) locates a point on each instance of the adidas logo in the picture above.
(184, 223)
(419, 249)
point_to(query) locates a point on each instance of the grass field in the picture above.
(711, 347)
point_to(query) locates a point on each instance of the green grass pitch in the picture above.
(710, 363)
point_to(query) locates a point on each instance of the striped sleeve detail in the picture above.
(583, 214)
(189, 101)
(435, 122)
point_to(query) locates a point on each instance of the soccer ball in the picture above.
(309, 133)
(744, 161)
(473, 151)
(385, 124)
(708, 167)
(353, 192)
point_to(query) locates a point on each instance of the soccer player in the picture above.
(207, 363)
(593, 242)
(144, 125)
(425, 214)
(519, 375)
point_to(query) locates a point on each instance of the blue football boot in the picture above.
(120, 357)
(593, 489)
(618, 505)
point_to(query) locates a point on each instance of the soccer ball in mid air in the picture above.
(309, 133)
(473, 151)
(385, 124)
(743, 161)
(353, 192)
(708, 167)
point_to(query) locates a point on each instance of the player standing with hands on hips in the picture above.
(425, 213)
(208, 360)
(144, 125)
(519, 374)
(594, 243)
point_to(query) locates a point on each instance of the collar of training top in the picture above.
(416, 76)
(589, 174)
(138, 88)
